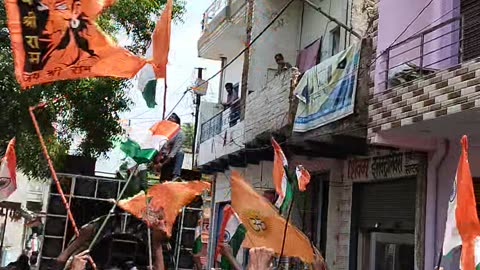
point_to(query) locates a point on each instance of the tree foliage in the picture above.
(189, 131)
(89, 107)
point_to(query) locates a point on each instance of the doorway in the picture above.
(390, 251)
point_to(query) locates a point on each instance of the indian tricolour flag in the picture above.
(8, 174)
(197, 245)
(303, 177)
(147, 82)
(463, 227)
(280, 178)
(157, 55)
(232, 232)
(144, 150)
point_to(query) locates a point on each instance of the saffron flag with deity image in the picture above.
(56, 40)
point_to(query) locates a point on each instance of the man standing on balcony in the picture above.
(171, 157)
(232, 97)
(282, 65)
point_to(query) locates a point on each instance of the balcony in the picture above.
(221, 135)
(270, 109)
(223, 29)
(425, 53)
(428, 84)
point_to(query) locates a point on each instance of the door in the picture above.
(313, 210)
(390, 251)
(382, 212)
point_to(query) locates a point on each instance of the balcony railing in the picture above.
(221, 121)
(213, 10)
(436, 48)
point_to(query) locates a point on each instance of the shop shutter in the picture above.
(470, 10)
(389, 204)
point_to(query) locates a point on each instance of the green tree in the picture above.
(89, 107)
(189, 130)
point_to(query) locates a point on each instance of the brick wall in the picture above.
(444, 93)
(268, 110)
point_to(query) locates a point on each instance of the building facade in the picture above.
(425, 95)
(236, 136)
(383, 170)
(31, 195)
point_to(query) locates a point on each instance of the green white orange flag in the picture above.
(8, 175)
(303, 177)
(463, 227)
(280, 178)
(197, 245)
(232, 232)
(148, 147)
(161, 41)
(147, 83)
(157, 54)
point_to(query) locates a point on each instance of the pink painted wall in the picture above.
(395, 16)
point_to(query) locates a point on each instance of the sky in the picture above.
(181, 73)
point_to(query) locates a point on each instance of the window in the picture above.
(469, 11)
(335, 41)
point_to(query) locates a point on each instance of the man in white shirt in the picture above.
(172, 152)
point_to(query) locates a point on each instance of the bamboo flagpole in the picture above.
(54, 173)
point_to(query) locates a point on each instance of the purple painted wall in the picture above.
(395, 16)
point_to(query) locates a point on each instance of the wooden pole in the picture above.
(3, 232)
(54, 175)
(164, 98)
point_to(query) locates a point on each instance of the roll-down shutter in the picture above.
(386, 205)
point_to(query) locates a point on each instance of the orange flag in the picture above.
(168, 197)
(279, 175)
(463, 227)
(303, 177)
(265, 227)
(161, 41)
(56, 40)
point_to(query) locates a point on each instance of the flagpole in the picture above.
(52, 170)
(164, 97)
(112, 210)
(54, 173)
(290, 207)
(439, 259)
(149, 237)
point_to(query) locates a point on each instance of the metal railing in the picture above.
(221, 121)
(213, 10)
(436, 48)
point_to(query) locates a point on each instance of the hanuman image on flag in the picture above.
(68, 40)
(59, 39)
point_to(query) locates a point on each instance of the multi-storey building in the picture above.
(425, 96)
(30, 195)
(323, 38)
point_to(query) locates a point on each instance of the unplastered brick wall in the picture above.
(267, 110)
(443, 93)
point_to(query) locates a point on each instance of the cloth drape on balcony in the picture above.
(307, 58)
